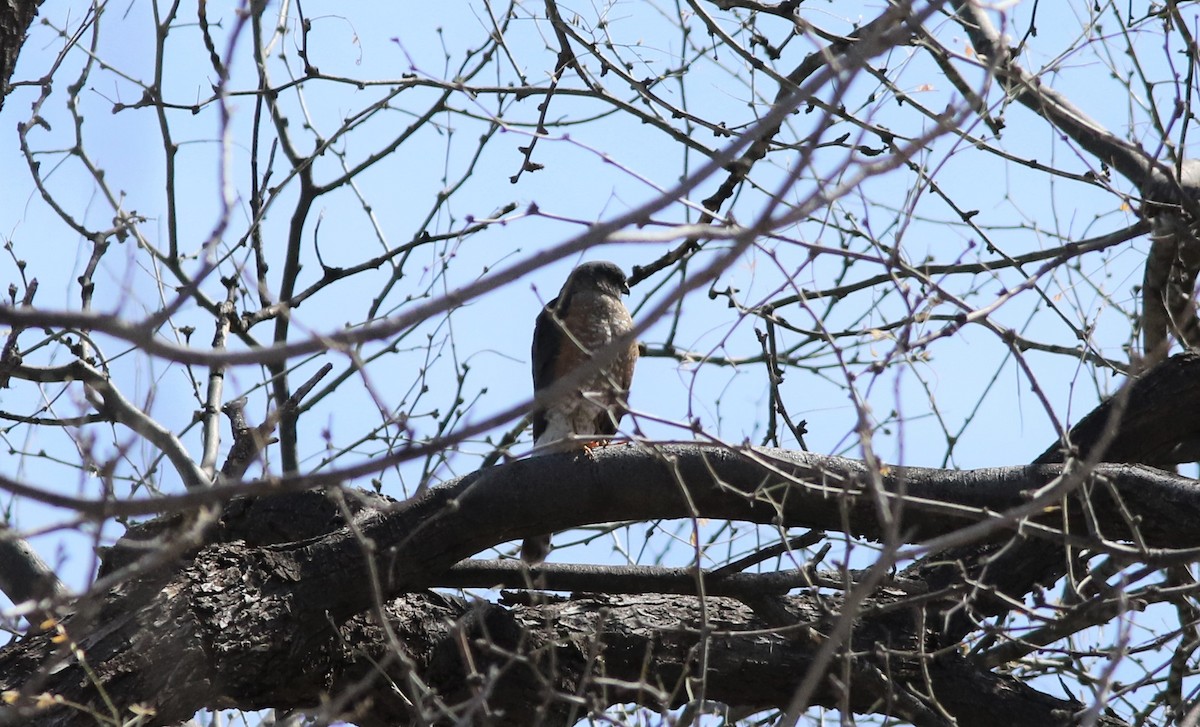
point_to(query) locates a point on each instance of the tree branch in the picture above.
(1131, 161)
(239, 618)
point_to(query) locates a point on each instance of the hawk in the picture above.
(586, 317)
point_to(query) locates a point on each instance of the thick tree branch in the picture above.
(24, 576)
(527, 664)
(1153, 420)
(239, 609)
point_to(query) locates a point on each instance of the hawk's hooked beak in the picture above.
(624, 288)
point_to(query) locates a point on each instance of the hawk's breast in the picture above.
(591, 322)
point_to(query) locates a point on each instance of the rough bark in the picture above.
(533, 661)
(281, 606)
(15, 18)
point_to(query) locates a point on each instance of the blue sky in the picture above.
(597, 164)
(594, 169)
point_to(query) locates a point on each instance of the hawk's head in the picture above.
(600, 276)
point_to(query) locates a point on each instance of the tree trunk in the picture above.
(15, 18)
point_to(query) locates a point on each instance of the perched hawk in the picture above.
(586, 316)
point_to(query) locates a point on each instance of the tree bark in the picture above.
(283, 603)
(15, 18)
(211, 635)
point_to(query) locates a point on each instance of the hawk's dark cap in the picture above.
(599, 274)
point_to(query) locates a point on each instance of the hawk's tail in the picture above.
(535, 549)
